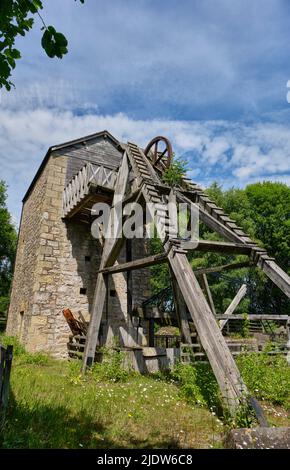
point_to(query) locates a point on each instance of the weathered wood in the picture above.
(218, 353)
(151, 332)
(213, 223)
(234, 303)
(129, 258)
(6, 355)
(181, 310)
(214, 246)
(262, 420)
(276, 274)
(232, 233)
(83, 322)
(112, 247)
(252, 316)
(76, 193)
(136, 264)
(224, 267)
(208, 293)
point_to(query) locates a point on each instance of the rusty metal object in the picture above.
(76, 327)
(161, 159)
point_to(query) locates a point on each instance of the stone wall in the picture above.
(56, 267)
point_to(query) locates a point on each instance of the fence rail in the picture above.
(6, 355)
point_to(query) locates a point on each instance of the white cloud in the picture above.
(231, 153)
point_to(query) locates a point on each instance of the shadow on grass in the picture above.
(54, 427)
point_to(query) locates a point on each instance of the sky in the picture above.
(210, 75)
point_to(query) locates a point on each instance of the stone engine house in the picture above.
(58, 259)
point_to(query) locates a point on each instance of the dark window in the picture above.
(112, 293)
(87, 259)
(83, 291)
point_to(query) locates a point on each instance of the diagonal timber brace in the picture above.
(187, 291)
(112, 248)
(214, 344)
(216, 220)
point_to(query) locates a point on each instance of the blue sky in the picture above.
(211, 75)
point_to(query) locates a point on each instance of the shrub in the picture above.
(21, 354)
(198, 384)
(111, 368)
(267, 377)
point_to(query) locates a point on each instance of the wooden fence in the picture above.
(6, 355)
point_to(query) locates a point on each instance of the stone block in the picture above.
(258, 438)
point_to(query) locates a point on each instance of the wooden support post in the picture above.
(214, 246)
(208, 293)
(213, 343)
(136, 264)
(213, 223)
(129, 278)
(276, 274)
(224, 267)
(112, 247)
(6, 355)
(288, 342)
(234, 303)
(181, 311)
(151, 333)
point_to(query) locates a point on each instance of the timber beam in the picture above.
(227, 374)
(136, 264)
(223, 267)
(251, 316)
(213, 246)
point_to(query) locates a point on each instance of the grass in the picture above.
(52, 406)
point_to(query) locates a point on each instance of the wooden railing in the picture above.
(79, 187)
(6, 355)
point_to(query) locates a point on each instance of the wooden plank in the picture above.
(6, 377)
(136, 264)
(252, 316)
(213, 223)
(276, 274)
(129, 281)
(270, 267)
(215, 246)
(224, 267)
(208, 293)
(262, 420)
(234, 303)
(181, 310)
(212, 341)
(111, 250)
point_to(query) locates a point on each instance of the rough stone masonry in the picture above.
(57, 259)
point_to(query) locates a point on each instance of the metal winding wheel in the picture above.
(159, 151)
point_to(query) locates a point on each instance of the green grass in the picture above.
(52, 406)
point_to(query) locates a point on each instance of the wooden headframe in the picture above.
(187, 291)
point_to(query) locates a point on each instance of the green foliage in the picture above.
(54, 43)
(16, 19)
(159, 274)
(52, 406)
(174, 174)
(111, 368)
(198, 384)
(246, 326)
(8, 239)
(267, 377)
(20, 354)
(262, 210)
